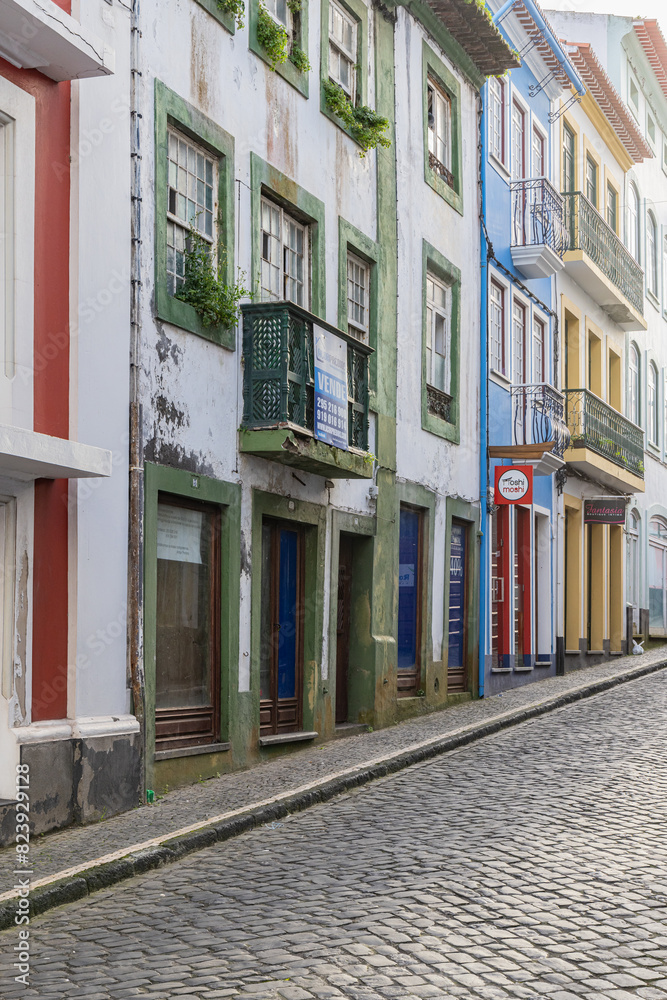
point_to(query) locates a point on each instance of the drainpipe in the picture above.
(552, 41)
(484, 400)
(136, 486)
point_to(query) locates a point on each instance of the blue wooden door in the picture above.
(456, 662)
(281, 655)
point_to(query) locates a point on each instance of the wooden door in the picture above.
(457, 674)
(344, 618)
(281, 657)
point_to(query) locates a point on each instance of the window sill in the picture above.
(499, 166)
(501, 670)
(280, 738)
(523, 670)
(502, 380)
(543, 663)
(653, 299)
(222, 16)
(452, 195)
(191, 751)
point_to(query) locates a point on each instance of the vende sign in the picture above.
(514, 484)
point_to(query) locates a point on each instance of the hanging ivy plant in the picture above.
(299, 58)
(294, 6)
(366, 126)
(272, 37)
(234, 7)
(216, 303)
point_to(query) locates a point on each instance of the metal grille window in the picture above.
(652, 404)
(497, 118)
(519, 342)
(612, 206)
(438, 334)
(342, 48)
(191, 202)
(538, 350)
(633, 222)
(592, 181)
(358, 294)
(634, 384)
(284, 256)
(651, 254)
(440, 131)
(497, 327)
(518, 141)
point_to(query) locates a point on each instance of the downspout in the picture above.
(136, 484)
(483, 398)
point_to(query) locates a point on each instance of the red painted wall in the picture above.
(51, 382)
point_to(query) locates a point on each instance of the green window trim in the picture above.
(267, 180)
(170, 109)
(359, 11)
(433, 260)
(351, 239)
(434, 68)
(226, 19)
(287, 70)
(179, 483)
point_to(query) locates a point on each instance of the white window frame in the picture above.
(518, 170)
(634, 373)
(610, 189)
(361, 330)
(537, 131)
(651, 253)
(539, 318)
(634, 220)
(521, 378)
(633, 107)
(498, 345)
(435, 312)
(349, 55)
(266, 293)
(650, 120)
(272, 9)
(497, 111)
(590, 161)
(441, 101)
(652, 398)
(179, 228)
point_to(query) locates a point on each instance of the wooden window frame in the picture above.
(289, 217)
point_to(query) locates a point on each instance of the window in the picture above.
(411, 534)
(518, 141)
(612, 208)
(539, 373)
(664, 272)
(191, 202)
(633, 222)
(650, 129)
(187, 645)
(518, 342)
(657, 574)
(592, 181)
(342, 49)
(537, 154)
(438, 334)
(497, 327)
(280, 12)
(568, 158)
(293, 19)
(358, 297)
(440, 132)
(194, 193)
(633, 94)
(652, 404)
(497, 118)
(634, 385)
(651, 254)
(633, 566)
(7, 249)
(284, 257)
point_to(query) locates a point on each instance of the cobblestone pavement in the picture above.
(58, 851)
(530, 864)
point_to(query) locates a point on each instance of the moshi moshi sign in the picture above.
(609, 510)
(514, 484)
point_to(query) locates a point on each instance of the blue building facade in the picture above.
(522, 421)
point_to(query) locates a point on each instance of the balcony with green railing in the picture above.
(279, 393)
(596, 427)
(601, 265)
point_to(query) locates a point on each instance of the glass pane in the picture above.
(185, 587)
(408, 588)
(287, 613)
(266, 641)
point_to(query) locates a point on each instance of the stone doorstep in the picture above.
(75, 883)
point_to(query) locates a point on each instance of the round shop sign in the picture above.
(514, 485)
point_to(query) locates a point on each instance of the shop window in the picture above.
(411, 534)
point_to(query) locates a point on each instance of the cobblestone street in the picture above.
(531, 864)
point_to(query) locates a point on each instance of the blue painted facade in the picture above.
(522, 244)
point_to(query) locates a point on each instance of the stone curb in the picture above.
(103, 876)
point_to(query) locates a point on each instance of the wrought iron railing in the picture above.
(538, 215)
(589, 232)
(596, 425)
(538, 416)
(279, 370)
(440, 168)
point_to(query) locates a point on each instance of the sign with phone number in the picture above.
(330, 388)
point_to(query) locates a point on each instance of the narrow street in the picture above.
(532, 863)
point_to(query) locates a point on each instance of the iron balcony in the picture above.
(597, 427)
(539, 234)
(538, 417)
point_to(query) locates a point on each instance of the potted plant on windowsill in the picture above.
(366, 126)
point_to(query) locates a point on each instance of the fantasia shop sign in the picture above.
(609, 510)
